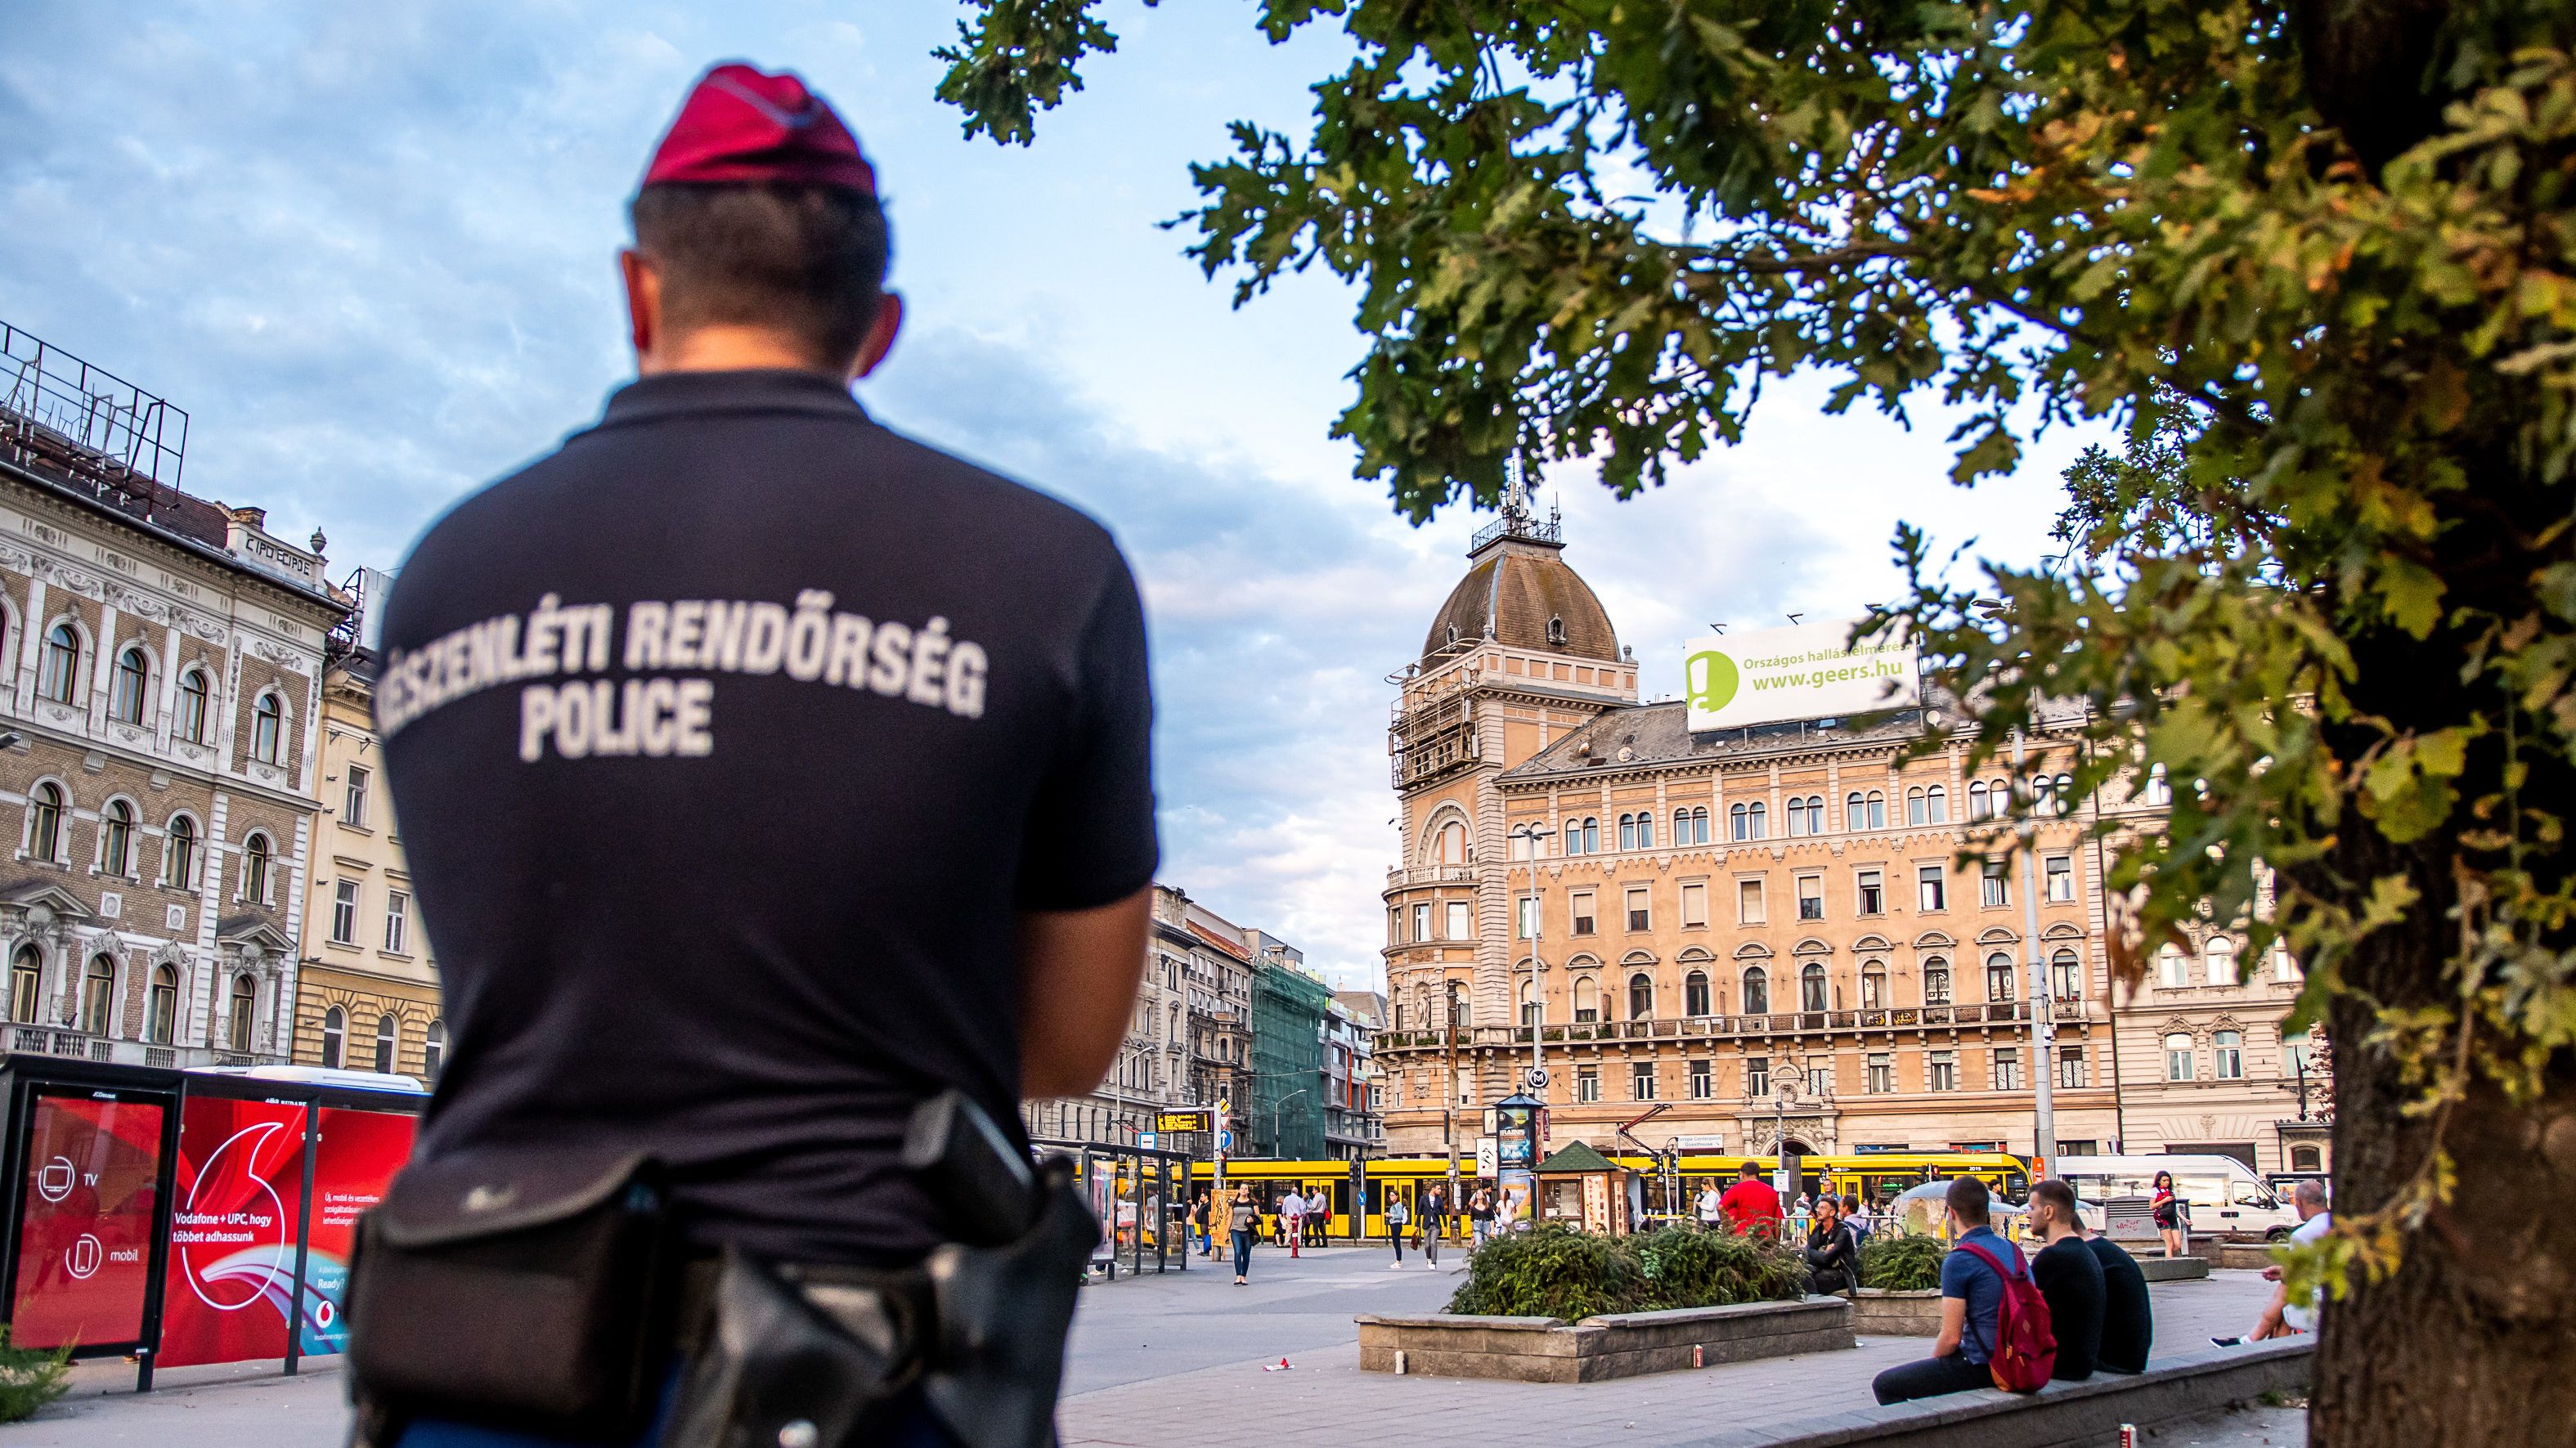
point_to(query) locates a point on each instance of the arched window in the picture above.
(1556, 629)
(125, 692)
(45, 822)
(1735, 823)
(2173, 972)
(1757, 992)
(1873, 985)
(1999, 977)
(1761, 820)
(1877, 806)
(116, 838)
(1587, 1000)
(335, 1037)
(190, 723)
(386, 1036)
(2178, 1057)
(1699, 824)
(2066, 976)
(1855, 812)
(1937, 801)
(244, 1005)
(98, 994)
(2066, 794)
(1811, 987)
(26, 984)
(1645, 829)
(1641, 997)
(1936, 982)
(1627, 832)
(1797, 822)
(255, 862)
(1695, 993)
(1591, 836)
(433, 1050)
(2159, 785)
(1978, 807)
(2220, 956)
(1458, 1008)
(1917, 812)
(161, 1018)
(58, 675)
(179, 853)
(1529, 1006)
(2227, 1052)
(268, 729)
(2306, 1159)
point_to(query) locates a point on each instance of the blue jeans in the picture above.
(1243, 1254)
(917, 1427)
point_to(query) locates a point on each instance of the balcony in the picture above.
(1783, 1024)
(1406, 878)
(82, 1046)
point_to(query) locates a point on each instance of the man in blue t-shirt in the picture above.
(1972, 1299)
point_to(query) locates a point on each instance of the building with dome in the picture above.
(1727, 937)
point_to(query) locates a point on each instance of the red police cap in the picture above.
(742, 125)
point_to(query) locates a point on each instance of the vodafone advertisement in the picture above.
(235, 1214)
(85, 1253)
(353, 1163)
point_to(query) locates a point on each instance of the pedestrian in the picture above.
(600, 671)
(1972, 1294)
(1435, 1213)
(1199, 1225)
(2171, 1215)
(1751, 1206)
(1241, 1223)
(2070, 1277)
(1480, 1213)
(1292, 1222)
(1319, 1215)
(2128, 1321)
(1710, 1206)
(2281, 1317)
(1396, 1217)
(1833, 1256)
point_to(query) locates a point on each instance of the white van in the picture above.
(2224, 1194)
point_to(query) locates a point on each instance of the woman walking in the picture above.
(1396, 1218)
(2171, 1223)
(1241, 1222)
(1480, 1214)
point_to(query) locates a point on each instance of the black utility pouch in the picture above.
(531, 1291)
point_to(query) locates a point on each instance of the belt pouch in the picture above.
(784, 1363)
(524, 1290)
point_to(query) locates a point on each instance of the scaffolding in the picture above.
(1285, 1106)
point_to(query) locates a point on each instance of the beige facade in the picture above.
(1753, 932)
(160, 667)
(369, 996)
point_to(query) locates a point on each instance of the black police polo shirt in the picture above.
(727, 743)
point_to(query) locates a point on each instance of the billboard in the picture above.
(85, 1239)
(1808, 671)
(354, 1161)
(236, 1210)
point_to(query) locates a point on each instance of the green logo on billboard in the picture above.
(1712, 680)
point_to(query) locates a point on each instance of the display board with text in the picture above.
(85, 1220)
(1808, 671)
(236, 1211)
(355, 1156)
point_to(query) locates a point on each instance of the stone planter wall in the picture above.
(1882, 1313)
(2178, 1269)
(1551, 1350)
(2251, 1255)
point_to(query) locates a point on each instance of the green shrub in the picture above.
(1559, 1272)
(1902, 1262)
(31, 1377)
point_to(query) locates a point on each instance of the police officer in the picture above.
(763, 772)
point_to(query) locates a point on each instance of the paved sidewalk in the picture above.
(1158, 1360)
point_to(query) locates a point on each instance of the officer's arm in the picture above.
(1078, 976)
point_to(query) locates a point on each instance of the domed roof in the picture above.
(1520, 586)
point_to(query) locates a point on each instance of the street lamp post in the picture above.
(1275, 1108)
(1530, 835)
(2043, 1027)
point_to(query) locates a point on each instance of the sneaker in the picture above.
(1398, 1266)
(2227, 1342)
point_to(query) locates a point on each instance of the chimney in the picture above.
(251, 517)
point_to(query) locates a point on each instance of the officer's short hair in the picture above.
(2059, 1197)
(1968, 1197)
(806, 260)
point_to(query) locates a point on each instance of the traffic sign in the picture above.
(1535, 1077)
(1225, 1141)
(1223, 1105)
(1145, 1139)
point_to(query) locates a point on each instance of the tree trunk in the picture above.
(2473, 1339)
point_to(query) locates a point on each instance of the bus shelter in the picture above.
(181, 1217)
(1140, 1194)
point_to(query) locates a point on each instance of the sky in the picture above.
(370, 250)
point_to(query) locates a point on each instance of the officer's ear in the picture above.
(643, 301)
(881, 331)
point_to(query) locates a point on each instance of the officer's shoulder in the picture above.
(949, 480)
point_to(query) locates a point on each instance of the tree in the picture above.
(2323, 257)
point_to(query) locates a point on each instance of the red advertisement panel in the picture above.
(234, 1218)
(85, 1248)
(352, 1165)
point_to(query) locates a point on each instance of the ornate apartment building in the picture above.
(160, 677)
(369, 999)
(1755, 932)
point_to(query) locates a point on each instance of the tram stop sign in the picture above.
(1145, 1139)
(1536, 1076)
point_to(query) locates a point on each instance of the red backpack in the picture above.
(2025, 1350)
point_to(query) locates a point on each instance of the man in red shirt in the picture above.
(1750, 1205)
